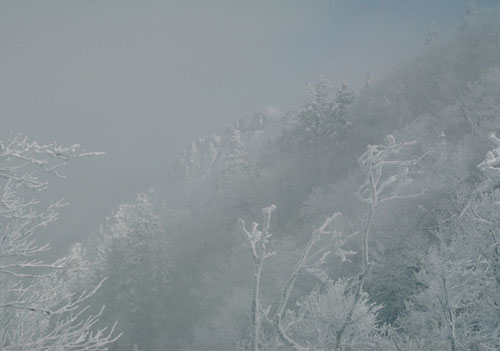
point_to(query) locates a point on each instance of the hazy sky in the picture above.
(141, 79)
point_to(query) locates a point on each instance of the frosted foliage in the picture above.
(481, 103)
(128, 220)
(317, 108)
(344, 97)
(234, 158)
(199, 159)
(412, 264)
(490, 169)
(322, 313)
(387, 175)
(133, 256)
(40, 308)
(209, 156)
(458, 309)
(334, 319)
(325, 112)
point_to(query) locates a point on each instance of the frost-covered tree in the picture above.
(322, 313)
(258, 241)
(132, 254)
(490, 171)
(315, 325)
(342, 110)
(40, 307)
(317, 109)
(480, 103)
(233, 160)
(198, 160)
(448, 93)
(325, 112)
(387, 174)
(458, 309)
(387, 178)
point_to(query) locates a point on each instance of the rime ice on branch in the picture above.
(39, 307)
(258, 241)
(312, 259)
(490, 169)
(387, 178)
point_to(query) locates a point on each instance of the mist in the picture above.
(202, 117)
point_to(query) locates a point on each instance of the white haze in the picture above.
(141, 79)
(377, 118)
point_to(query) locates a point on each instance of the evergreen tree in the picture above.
(134, 261)
(233, 161)
(317, 110)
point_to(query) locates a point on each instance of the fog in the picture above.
(142, 80)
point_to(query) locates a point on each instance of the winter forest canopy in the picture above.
(361, 218)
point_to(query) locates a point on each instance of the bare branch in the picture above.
(49, 314)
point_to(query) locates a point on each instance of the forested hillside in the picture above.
(410, 263)
(364, 220)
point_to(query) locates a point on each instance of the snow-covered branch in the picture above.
(490, 170)
(39, 305)
(386, 175)
(322, 242)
